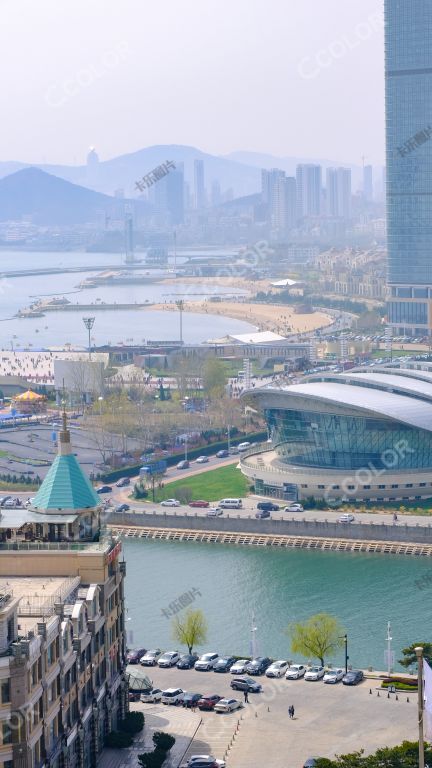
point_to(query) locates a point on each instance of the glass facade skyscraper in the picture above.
(408, 46)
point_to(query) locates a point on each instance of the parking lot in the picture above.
(329, 719)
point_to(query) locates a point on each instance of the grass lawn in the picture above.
(221, 483)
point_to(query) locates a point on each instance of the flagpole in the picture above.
(419, 654)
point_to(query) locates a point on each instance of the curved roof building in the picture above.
(364, 435)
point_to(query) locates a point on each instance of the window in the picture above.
(5, 691)
(422, 485)
(381, 486)
(395, 486)
(409, 485)
(6, 734)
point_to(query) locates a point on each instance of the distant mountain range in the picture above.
(52, 201)
(239, 171)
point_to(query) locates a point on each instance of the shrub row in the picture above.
(128, 728)
(163, 743)
(193, 453)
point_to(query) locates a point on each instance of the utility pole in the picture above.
(180, 306)
(89, 323)
(419, 654)
(389, 650)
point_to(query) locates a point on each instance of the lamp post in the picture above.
(419, 654)
(89, 323)
(180, 306)
(345, 639)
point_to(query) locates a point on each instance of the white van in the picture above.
(230, 504)
(243, 446)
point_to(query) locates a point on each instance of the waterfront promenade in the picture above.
(385, 538)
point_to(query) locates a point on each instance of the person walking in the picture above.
(246, 697)
(292, 712)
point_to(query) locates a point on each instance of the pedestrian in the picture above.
(395, 517)
(292, 711)
(246, 697)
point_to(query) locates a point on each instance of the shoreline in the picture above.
(265, 317)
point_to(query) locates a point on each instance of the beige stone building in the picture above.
(62, 632)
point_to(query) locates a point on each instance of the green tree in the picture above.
(321, 635)
(410, 656)
(163, 741)
(403, 756)
(214, 377)
(191, 630)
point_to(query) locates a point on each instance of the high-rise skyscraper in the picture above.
(308, 178)
(279, 193)
(169, 196)
(368, 183)
(339, 192)
(408, 79)
(199, 188)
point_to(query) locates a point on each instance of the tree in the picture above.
(403, 756)
(321, 635)
(191, 630)
(163, 741)
(214, 378)
(410, 656)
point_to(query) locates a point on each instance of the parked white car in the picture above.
(333, 675)
(170, 503)
(346, 518)
(227, 705)
(314, 673)
(295, 671)
(293, 508)
(169, 659)
(206, 662)
(239, 668)
(277, 669)
(202, 460)
(150, 658)
(151, 697)
(214, 512)
(172, 696)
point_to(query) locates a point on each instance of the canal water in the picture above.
(364, 591)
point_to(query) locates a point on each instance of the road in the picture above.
(329, 719)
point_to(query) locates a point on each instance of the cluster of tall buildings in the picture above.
(312, 194)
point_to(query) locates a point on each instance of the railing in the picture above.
(50, 546)
(44, 605)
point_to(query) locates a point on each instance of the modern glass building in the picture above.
(408, 77)
(366, 434)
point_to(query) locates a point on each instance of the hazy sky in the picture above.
(285, 77)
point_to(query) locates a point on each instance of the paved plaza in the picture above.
(329, 720)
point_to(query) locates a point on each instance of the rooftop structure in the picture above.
(361, 435)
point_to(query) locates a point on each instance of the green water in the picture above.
(363, 591)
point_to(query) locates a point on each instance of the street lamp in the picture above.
(180, 306)
(89, 323)
(345, 639)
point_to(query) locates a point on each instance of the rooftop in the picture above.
(66, 487)
(399, 394)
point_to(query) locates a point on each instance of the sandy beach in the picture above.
(266, 317)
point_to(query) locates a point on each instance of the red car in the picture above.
(209, 702)
(199, 504)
